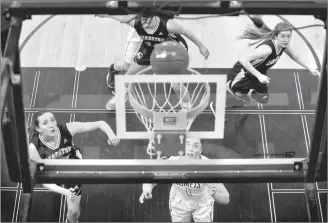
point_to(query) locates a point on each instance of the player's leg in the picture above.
(240, 87)
(131, 48)
(260, 92)
(133, 69)
(204, 211)
(141, 61)
(180, 209)
(73, 205)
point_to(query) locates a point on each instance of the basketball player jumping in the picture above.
(132, 46)
(153, 26)
(191, 200)
(250, 78)
(51, 140)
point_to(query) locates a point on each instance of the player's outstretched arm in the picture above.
(34, 157)
(174, 27)
(82, 127)
(219, 193)
(249, 55)
(300, 60)
(127, 19)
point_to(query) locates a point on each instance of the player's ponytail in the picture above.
(263, 33)
(257, 34)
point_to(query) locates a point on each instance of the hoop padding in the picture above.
(139, 102)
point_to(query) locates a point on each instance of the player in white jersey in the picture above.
(191, 200)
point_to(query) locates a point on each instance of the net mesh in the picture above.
(168, 98)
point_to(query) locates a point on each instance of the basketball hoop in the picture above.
(156, 104)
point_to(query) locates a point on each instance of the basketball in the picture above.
(169, 58)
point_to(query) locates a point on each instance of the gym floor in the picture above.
(284, 125)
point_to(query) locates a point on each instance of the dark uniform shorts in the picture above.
(247, 82)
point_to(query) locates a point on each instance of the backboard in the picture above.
(155, 91)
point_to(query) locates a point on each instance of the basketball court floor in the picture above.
(283, 125)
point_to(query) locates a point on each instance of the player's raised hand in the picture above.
(145, 195)
(146, 192)
(204, 51)
(315, 72)
(263, 79)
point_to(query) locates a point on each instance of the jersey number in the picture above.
(188, 191)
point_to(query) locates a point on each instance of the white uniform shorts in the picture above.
(183, 210)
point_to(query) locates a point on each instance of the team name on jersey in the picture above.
(190, 185)
(152, 38)
(60, 153)
(273, 61)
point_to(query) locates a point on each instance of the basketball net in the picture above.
(158, 97)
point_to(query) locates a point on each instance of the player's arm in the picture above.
(82, 127)
(174, 27)
(300, 60)
(249, 55)
(35, 157)
(128, 19)
(220, 193)
(146, 192)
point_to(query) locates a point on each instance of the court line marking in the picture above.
(322, 189)
(290, 189)
(15, 203)
(300, 98)
(74, 88)
(272, 213)
(288, 192)
(18, 205)
(265, 154)
(63, 202)
(321, 214)
(300, 89)
(305, 136)
(297, 92)
(9, 189)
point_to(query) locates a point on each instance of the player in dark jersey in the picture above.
(117, 67)
(250, 72)
(154, 27)
(133, 44)
(51, 140)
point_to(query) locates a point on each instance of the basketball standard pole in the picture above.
(17, 117)
(104, 171)
(318, 147)
(46, 7)
(319, 126)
